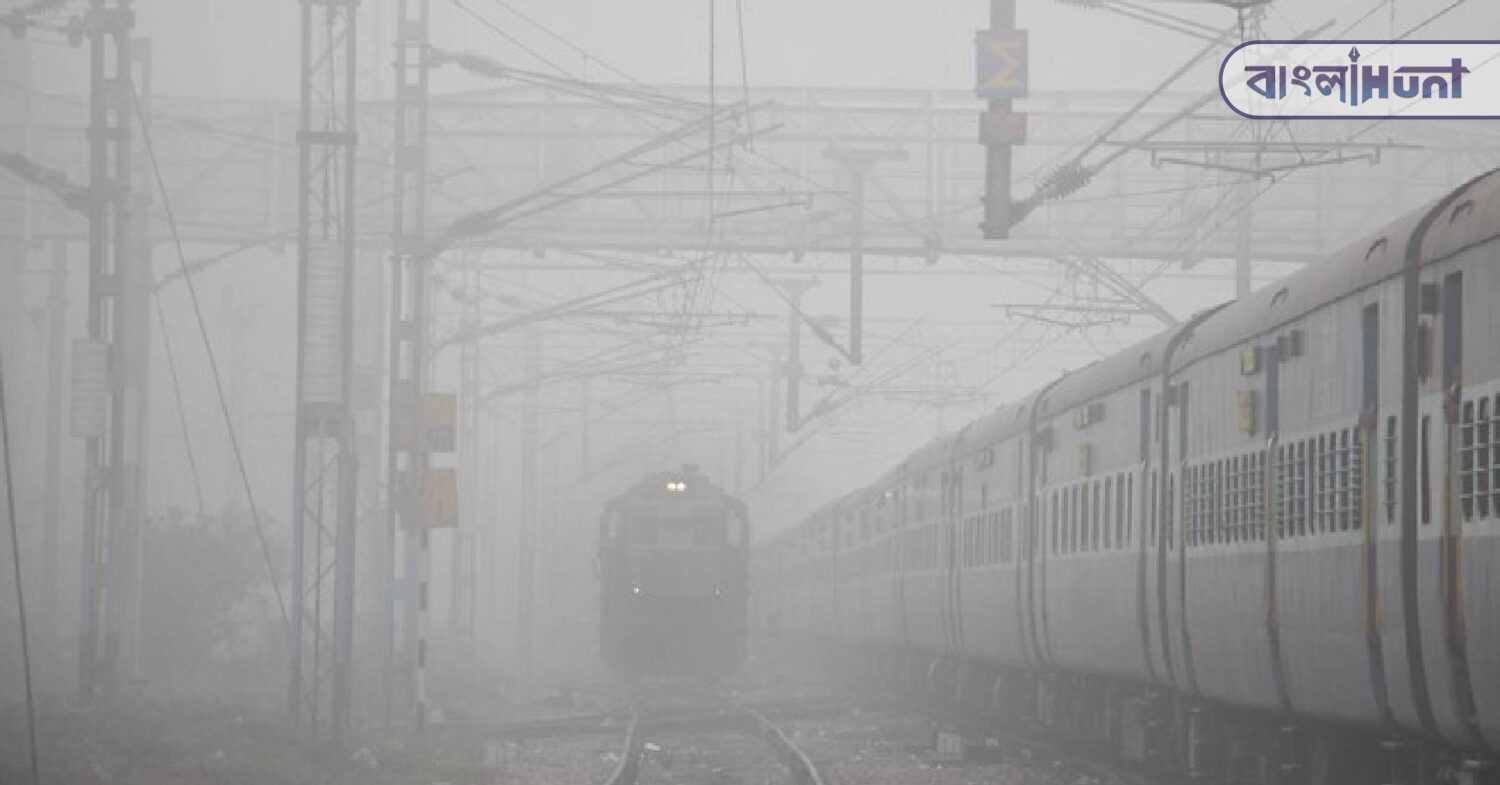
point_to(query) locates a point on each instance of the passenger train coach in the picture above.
(1267, 540)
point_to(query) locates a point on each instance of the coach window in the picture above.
(1424, 463)
(1085, 510)
(1100, 538)
(1301, 488)
(1168, 508)
(1151, 524)
(1494, 456)
(1062, 521)
(1065, 522)
(1109, 493)
(1483, 457)
(1080, 515)
(1052, 527)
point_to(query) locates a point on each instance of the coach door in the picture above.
(1440, 531)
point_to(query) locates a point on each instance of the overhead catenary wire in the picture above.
(15, 557)
(565, 41)
(213, 362)
(1276, 178)
(498, 30)
(187, 440)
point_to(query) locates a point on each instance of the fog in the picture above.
(640, 324)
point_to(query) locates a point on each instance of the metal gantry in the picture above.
(407, 452)
(325, 462)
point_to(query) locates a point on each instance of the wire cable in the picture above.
(213, 362)
(187, 442)
(586, 54)
(15, 556)
(739, 21)
(497, 30)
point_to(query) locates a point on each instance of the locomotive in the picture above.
(1265, 541)
(674, 562)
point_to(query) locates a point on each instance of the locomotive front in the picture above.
(673, 566)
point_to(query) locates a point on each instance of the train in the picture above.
(1266, 540)
(674, 567)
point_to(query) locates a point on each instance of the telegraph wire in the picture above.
(213, 362)
(15, 556)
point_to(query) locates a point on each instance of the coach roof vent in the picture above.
(1379, 246)
(1460, 210)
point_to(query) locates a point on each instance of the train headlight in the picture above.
(636, 590)
(676, 486)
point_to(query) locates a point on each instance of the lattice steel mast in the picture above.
(100, 401)
(323, 513)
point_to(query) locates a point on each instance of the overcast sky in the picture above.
(250, 47)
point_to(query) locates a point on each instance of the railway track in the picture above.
(739, 720)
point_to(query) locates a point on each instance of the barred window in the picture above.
(1291, 481)
(1322, 468)
(1007, 533)
(1390, 470)
(1208, 501)
(1483, 459)
(1196, 520)
(1233, 497)
(1151, 505)
(1492, 486)
(1099, 521)
(1119, 511)
(1350, 474)
(1070, 511)
(1283, 485)
(1244, 504)
(1424, 468)
(1169, 508)
(1055, 516)
(1194, 505)
(1479, 475)
(1257, 505)
(1104, 510)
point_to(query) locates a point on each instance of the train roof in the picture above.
(1466, 217)
(1469, 215)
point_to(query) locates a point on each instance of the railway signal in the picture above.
(1000, 77)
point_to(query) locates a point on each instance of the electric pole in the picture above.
(406, 444)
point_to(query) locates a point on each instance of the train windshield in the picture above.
(704, 529)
